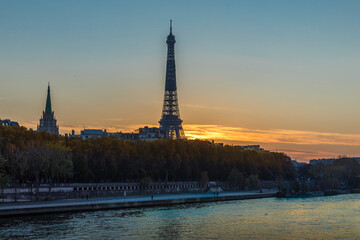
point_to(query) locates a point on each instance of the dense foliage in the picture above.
(28, 156)
(344, 172)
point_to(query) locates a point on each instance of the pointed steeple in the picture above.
(48, 121)
(48, 109)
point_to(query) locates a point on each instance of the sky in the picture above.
(282, 74)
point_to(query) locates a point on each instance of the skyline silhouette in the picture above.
(283, 75)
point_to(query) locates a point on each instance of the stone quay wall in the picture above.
(25, 192)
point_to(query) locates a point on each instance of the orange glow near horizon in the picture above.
(218, 132)
(297, 144)
(259, 74)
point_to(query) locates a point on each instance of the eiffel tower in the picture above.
(170, 122)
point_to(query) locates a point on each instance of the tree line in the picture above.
(27, 156)
(344, 172)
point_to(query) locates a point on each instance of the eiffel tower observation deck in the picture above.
(48, 121)
(170, 123)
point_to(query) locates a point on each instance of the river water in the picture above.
(336, 217)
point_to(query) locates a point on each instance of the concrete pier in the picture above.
(93, 204)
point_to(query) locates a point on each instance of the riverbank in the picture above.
(94, 204)
(326, 193)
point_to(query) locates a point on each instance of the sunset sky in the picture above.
(282, 74)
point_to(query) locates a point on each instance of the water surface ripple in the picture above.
(336, 217)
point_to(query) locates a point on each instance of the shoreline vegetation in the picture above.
(29, 157)
(340, 177)
(37, 158)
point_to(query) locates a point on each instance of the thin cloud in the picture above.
(216, 132)
(214, 108)
(117, 119)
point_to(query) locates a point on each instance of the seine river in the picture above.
(336, 217)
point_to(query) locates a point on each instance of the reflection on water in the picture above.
(311, 218)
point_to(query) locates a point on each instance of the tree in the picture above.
(253, 182)
(42, 157)
(60, 163)
(145, 182)
(235, 179)
(204, 179)
(4, 180)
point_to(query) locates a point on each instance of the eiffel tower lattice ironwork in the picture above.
(170, 123)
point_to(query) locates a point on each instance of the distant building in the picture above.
(48, 121)
(217, 144)
(97, 133)
(324, 161)
(92, 133)
(8, 122)
(126, 136)
(254, 148)
(149, 134)
(297, 164)
(146, 133)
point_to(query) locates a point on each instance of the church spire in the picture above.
(48, 109)
(48, 121)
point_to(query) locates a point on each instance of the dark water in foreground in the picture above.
(336, 217)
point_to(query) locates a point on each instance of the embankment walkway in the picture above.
(92, 204)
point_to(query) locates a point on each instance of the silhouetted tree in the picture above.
(235, 179)
(39, 156)
(204, 180)
(253, 182)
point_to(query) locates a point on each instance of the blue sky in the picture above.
(264, 65)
